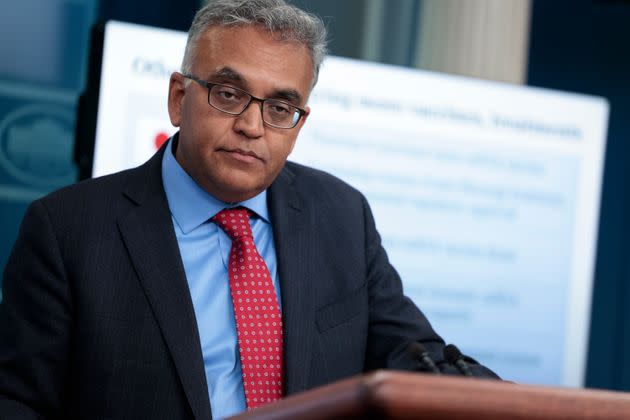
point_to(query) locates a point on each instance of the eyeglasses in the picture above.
(235, 101)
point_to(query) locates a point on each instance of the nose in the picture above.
(250, 122)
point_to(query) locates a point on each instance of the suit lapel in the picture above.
(290, 221)
(148, 233)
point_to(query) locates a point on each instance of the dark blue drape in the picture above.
(172, 14)
(584, 46)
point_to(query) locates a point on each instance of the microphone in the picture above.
(419, 353)
(454, 357)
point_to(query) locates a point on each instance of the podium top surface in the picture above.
(403, 395)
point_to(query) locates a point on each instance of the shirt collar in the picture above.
(190, 205)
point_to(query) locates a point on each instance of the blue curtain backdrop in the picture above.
(44, 45)
(583, 46)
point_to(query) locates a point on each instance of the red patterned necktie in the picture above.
(256, 309)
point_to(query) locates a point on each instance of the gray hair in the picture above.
(278, 17)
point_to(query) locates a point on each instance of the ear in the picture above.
(305, 116)
(176, 93)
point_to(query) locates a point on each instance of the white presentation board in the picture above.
(486, 195)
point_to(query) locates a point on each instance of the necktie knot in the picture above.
(234, 222)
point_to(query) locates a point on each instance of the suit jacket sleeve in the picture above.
(35, 322)
(394, 320)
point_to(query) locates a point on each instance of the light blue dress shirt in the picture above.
(205, 249)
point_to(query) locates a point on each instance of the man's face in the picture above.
(236, 157)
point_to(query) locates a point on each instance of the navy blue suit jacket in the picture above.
(97, 319)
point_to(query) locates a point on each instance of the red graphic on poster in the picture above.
(160, 138)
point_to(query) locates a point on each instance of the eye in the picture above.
(279, 108)
(226, 94)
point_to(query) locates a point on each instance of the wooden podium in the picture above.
(398, 395)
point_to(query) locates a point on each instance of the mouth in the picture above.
(246, 156)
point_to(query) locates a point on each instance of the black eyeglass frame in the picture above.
(210, 85)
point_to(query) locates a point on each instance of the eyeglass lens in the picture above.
(234, 101)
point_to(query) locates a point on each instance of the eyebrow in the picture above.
(290, 95)
(227, 73)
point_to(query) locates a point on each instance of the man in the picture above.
(216, 277)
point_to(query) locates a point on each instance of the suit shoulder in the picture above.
(88, 196)
(316, 180)
(93, 186)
